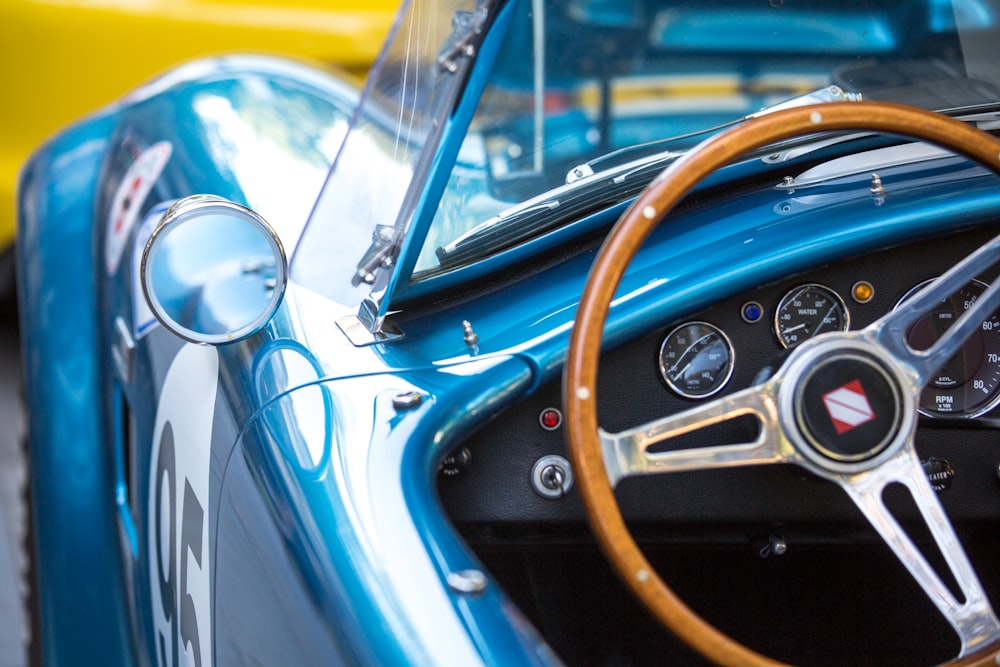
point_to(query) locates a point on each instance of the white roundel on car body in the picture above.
(132, 191)
(143, 320)
(177, 512)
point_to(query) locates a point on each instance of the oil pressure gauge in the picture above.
(696, 359)
(809, 310)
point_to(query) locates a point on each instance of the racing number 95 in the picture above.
(192, 522)
(178, 552)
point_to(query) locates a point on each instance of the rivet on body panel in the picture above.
(407, 400)
(467, 581)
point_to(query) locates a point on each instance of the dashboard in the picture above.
(511, 482)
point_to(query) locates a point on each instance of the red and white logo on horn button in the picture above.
(848, 407)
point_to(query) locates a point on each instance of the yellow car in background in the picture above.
(64, 58)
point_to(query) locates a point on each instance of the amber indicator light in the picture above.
(862, 292)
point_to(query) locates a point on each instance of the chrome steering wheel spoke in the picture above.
(891, 329)
(627, 453)
(969, 613)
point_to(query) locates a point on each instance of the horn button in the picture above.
(847, 408)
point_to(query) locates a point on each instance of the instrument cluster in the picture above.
(504, 479)
(697, 358)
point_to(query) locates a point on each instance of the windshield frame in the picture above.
(396, 282)
(452, 138)
(429, 67)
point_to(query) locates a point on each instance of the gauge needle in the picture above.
(825, 319)
(673, 371)
(795, 328)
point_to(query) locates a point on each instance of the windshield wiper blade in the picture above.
(553, 208)
(819, 96)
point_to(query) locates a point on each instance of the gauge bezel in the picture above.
(834, 294)
(993, 400)
(729, 370)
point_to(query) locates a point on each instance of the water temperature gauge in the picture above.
(809, 310)
(696, 359)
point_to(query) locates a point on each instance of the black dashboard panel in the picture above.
(490, 492)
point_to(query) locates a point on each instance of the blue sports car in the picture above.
(589, 332)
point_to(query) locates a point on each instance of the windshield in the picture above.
(582, 86)
(360, 216)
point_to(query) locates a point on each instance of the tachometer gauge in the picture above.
(966, 386)
(696, 359)
(809, 310)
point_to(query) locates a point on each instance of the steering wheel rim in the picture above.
(584, 437)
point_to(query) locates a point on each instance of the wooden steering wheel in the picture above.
(786, 404)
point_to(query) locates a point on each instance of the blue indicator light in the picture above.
(752, 312)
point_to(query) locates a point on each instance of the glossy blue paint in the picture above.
(351, 537)
(83, 489)
(549, 244)
(464, 400)
(696, 257)
(221, 122)
(329, 528)
(83, 600)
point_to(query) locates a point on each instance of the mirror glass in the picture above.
(213, 271)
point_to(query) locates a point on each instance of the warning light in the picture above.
(751, 312)
(550, 419)
(862, 292)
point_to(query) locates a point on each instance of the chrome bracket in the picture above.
(360, 335)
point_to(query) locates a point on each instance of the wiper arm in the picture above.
(552, 209)
(502, 228)
(820, 96)
(583, 192)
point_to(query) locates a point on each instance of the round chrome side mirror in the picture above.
(213, 271)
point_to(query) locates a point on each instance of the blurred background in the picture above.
(63, 59)
(12, 477)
